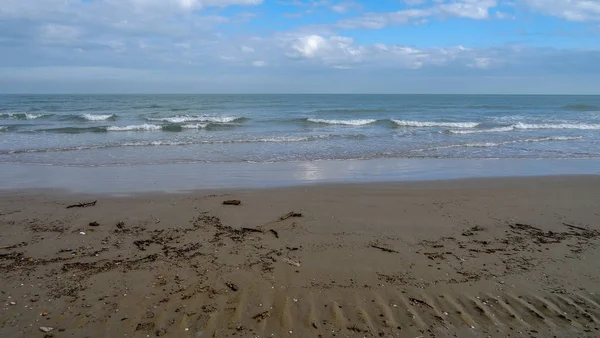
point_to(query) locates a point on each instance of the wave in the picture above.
(22, 116)
(275, 139)
(487, 106)
(139, 127)
(403, 123)
(190, 118)
(497, 144)
(581, 126)
(580, 107)
(479, 131)
(92, 117)
(359, 122)
(195, 126)
(325, 111)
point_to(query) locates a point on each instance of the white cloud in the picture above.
(247, 49)
(572, 10)
(472, 9)
(345, 7)
(58, 33)
(481, 63)
(259, 63)
(309, 46)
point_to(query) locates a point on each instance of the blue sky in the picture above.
(294, 46)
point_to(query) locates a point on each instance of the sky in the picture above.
(294, 46)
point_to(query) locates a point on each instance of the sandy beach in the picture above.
(458, 258)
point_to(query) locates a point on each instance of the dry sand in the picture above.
(470, 258)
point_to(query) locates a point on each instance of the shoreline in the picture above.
(214, 176)
(474, 257)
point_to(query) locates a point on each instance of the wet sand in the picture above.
(464, 258)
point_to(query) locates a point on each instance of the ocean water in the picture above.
(129, 130)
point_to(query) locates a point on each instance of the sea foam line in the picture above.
(404, 123)
(92, 117)
(141, 127)
(497, 144)
(22, 116)
(581, 126)
(279, 139)
(358, 122)
(190, 118)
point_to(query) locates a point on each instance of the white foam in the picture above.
(141, 127)
(403, 123)
(359, 122)
(189, 118)
(479, 131)
(33, 116)
(195, 126)
(91, 117)
(581, 126)
(497, 144)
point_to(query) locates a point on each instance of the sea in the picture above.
(92, 131)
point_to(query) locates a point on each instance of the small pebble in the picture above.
(12, 303)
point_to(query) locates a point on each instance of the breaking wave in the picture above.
(581, 126)
(417, 124)
(497, 144)
(140, 127)
(359, 122)
(92, 117)
(190, 118)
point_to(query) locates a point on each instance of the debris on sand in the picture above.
(232, 202)
(94, 224)
(291, 262)
(232, 286)
(384, 249)
(251, 230)
(261, 316)
(82, 205)
(46, 328)
(290, 215)
(275, 233)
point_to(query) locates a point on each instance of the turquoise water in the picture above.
(89, 131)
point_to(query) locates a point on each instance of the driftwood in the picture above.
(289, 215)
(575, 227)
(82, 205)
(251, 230)
(384, 249)
(13, 246)
(232, 202)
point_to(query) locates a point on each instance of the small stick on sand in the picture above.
(575, 227)
(251, 230)
(82, 205)
(384, 249)
(232, 202)
(289, 215)
(275, 233)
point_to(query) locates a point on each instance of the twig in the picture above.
(232, 202)
(274, 233)
(251, 230)
(289, 215)
(13, 246)
(82, 205)
(418, 301)
(575, 227)
(384, 249)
